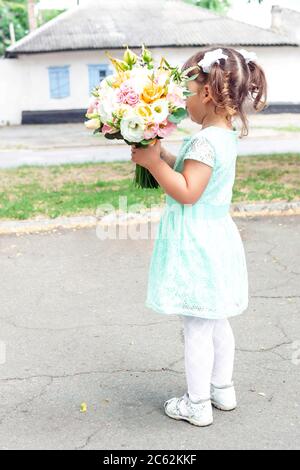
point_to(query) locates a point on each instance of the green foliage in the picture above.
(47, 15)
(12, 12)
(177, 116)
(220, 6)
(15, 11)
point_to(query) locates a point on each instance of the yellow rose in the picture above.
(153, 92)
(145, 112)
(120, 78)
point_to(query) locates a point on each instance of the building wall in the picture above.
(25, 81)
(282, 68)
(13, 85)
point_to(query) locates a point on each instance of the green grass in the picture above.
(53, 191)
(288, 129)
(267, 178)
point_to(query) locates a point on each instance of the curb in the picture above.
(7, 227)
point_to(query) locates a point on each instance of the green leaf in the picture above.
(167, 63)
(178, 115)
(189, 93)
(116, 135)
(92, 116)
(186, 71)
(188, 79)
(174, 119)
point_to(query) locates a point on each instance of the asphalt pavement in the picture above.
(74, 330)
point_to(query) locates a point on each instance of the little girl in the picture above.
(198, 266)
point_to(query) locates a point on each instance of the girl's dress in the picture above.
(198, 264)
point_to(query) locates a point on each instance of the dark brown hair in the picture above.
(235, 84)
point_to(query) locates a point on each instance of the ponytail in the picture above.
(258, 86)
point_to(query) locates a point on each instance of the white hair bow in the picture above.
(210, 58)
(248, 56)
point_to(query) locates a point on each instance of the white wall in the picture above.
(25, 81)
(13, 84)
(282, 68)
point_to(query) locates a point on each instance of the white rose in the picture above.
(132, 128)
(93, 124)
(138, 78)
(108, 104)
(160, 110)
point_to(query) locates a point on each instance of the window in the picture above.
(96, 74)
(59, 81)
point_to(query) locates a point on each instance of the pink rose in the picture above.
(132, 98)
(151, 131)
(127, 95)
(106, 129)
(92, 105)
(165, 128)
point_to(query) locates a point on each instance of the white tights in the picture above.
(209, 355)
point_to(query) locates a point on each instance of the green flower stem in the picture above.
(143, 178)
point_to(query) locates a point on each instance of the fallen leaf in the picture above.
(83, 408)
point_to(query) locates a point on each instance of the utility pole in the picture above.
(12, 33)
(31, 15)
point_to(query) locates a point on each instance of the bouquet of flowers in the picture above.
(139, 103)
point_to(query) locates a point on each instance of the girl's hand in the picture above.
(147, 157)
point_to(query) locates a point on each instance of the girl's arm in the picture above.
(186, 187)
(167, 157)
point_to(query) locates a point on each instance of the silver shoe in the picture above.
(223, 398)
(199, 414)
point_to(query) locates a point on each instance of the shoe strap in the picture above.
(178, 402)
(224, 387)
(198, 401)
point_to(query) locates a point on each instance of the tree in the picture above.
(16, 12)
(220, 6)
(47, 15)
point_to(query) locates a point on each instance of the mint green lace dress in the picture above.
(198, 264)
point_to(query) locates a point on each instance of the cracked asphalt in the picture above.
(75, 329)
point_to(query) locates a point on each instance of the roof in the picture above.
(107, 24)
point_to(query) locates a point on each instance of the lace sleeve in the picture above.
(200, 149)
